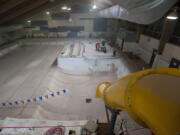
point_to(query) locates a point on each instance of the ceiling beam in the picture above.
(41, 8)
(9, 5)
(22, 10)
(3, 2)
(49, 6)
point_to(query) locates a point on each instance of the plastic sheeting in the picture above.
(13, 122)
(138, 11)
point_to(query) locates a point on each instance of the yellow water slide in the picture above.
(151, 97)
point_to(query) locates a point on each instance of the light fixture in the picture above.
(94, 6)
(29, 21)
(47, 12)
(64, 7)
(69, 9)
(172, 16)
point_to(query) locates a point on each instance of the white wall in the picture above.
(88, 24)
(76, 21)
(170, 51)
(147, 43)
(145, 48)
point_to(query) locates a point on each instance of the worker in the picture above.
(114, 53)
(103, 42)
(97, 46)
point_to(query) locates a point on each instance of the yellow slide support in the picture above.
(151, 97)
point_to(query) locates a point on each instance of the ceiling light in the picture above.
(69, 9)
(29, 21)
(94, 6)
(47, 12)
(64, 7)
(172, 16)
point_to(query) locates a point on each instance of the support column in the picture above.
(122, 45)
(114, 114)
(167, 30)
(139, 32)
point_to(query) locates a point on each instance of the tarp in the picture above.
(138, 11)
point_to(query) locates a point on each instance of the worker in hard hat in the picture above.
(97, 46)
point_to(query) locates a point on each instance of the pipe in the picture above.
(151, 97)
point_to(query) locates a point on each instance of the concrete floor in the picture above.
(31, 71)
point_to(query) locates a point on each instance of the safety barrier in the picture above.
(36, 99)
